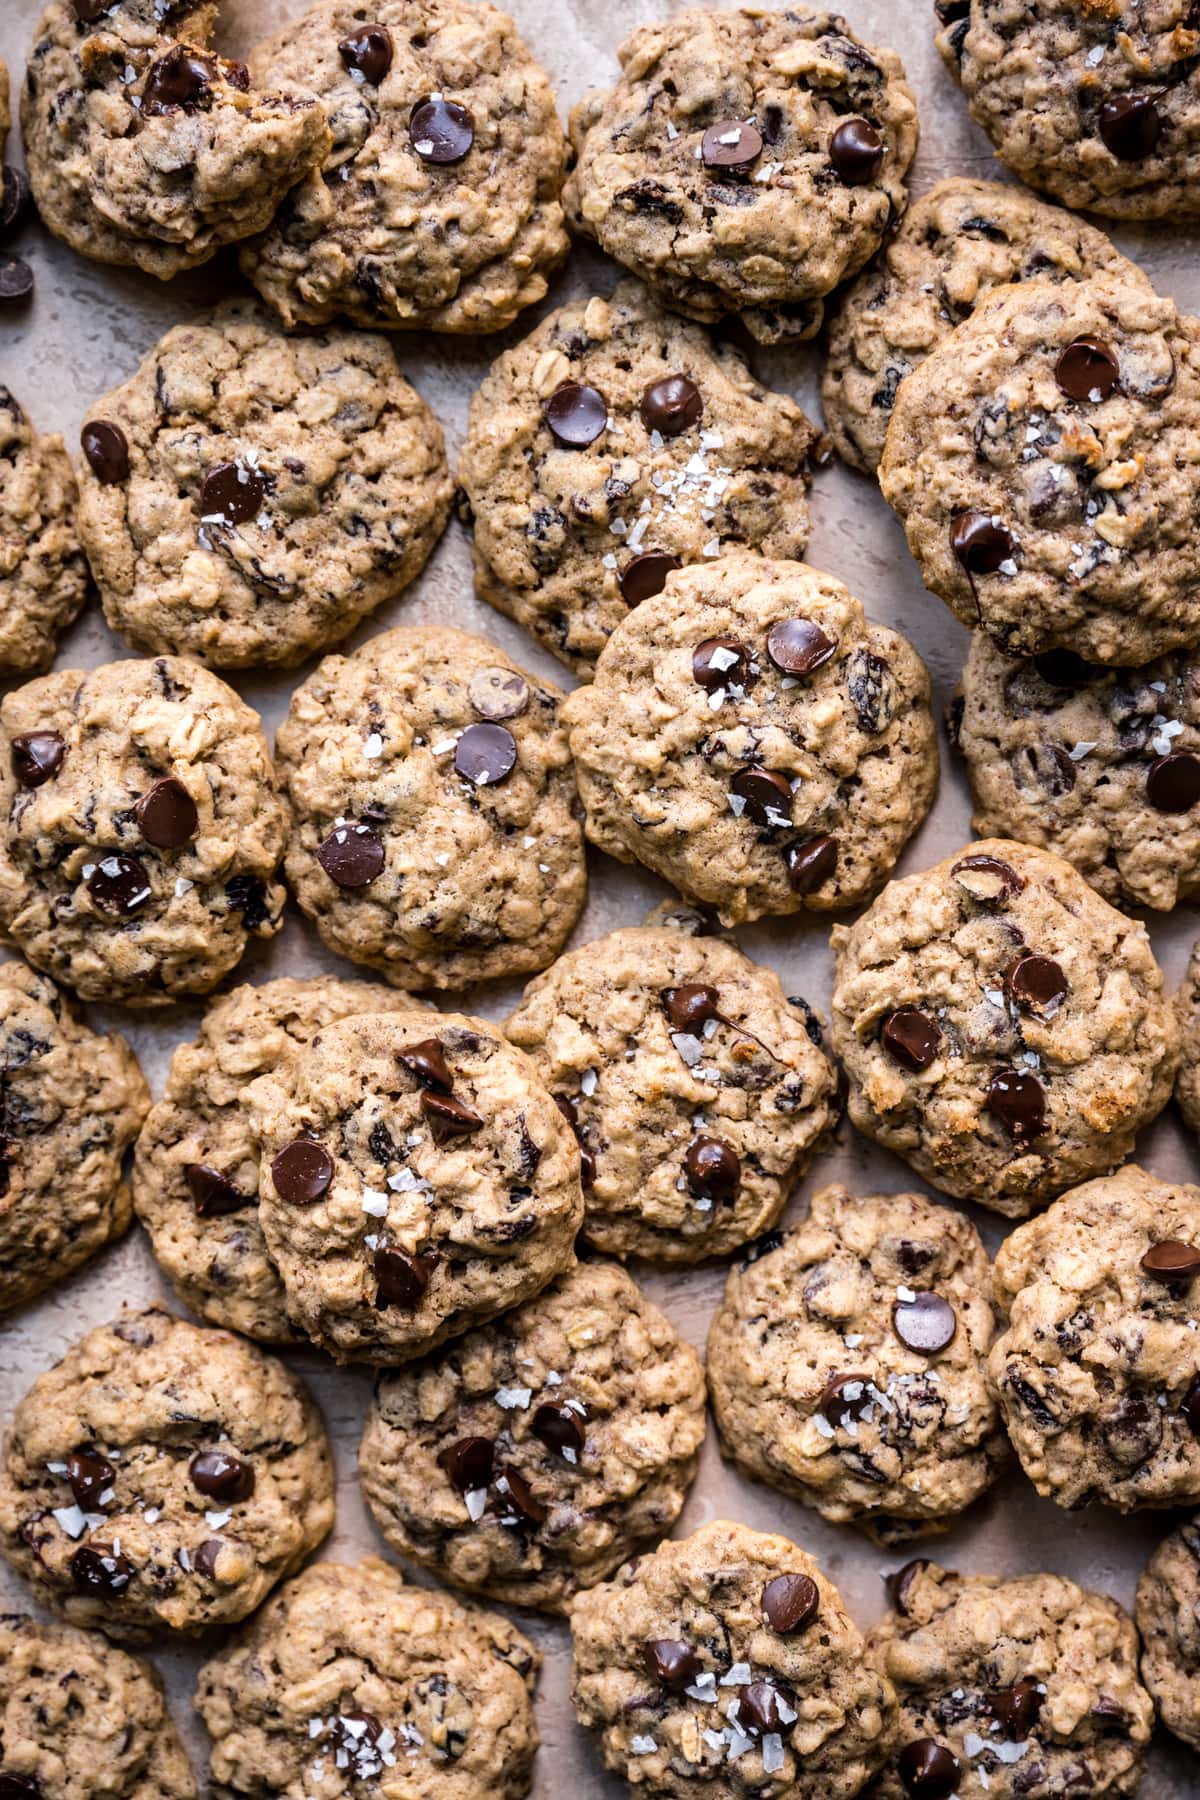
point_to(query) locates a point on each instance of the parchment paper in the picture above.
(87, 329)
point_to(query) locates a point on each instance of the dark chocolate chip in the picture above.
(447, 1117)
(498, 693)
(856, 152)
(213, 1194)
(712, 1168)
(798, 646)
(843, 1397)
(402, 1279)
(790, 1602)
(36, 756)
(675, 1665)
(107, 451)
(204, 1560)
(178, 80)
(812, 864)
(672, 406)
(926, 1323)
(927, 1770)
(1087, 370)
(731, 146)
(761, 1708)
(587, 1162)
(119, 885)
(718, 662)
(559, 1427)
(100, 1569)
(524, 1501)
(167, 815)
(1038, 984)
(442, 131)
(911, 1038)
(646, 576)
(352, 856)
(1173, 782)
(1190, 1407)
(368, 52)
(1130, 126)
(899, 1583)
(19, 1787)
(1016, 1709)
(1018, 1101)
(980, 542)
(232, 493)
(766, 796)
(1172, 1260)
(690, 1007)
(302, 1171)
(1064, 669)
(427, 1061)
(486, 754)
(16, 280)
(987, 879)
(577, 415)
(89, 1475)
(88, 11)
(469, 1463)
(221, 1476)
(14, 202)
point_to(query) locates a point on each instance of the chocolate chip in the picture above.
(469, 1463)
(525, 1502)
(766, 796)
(178, 80)
(987, 879)
(1190, 1406)
(89, 1475)
(713, 1169)
(204, 1560)
(587, 1162)
(798, 646)
(402, 1280)
(646, 576)
(1064, 669)
(88, 11)
(731, 145)
(675, 1665)
(352, 856)
(690, 1007)
(559, 1428)
(1016, 1709)
(790, 1602)
(232, 493)
(1130, 126)
(1173, 782)
(856, 152)
(761, 1707)
(844, 1396)
(99, 1569)
(302, 1171)
(1038, 984)
(427, 1061)
(19, 1787)
(221, 1476)
(1018, 1101)
(926, 1323)
(899, 1583)
(911, 1038)
(719, 662)
(1171, 1260)
(812, 864)
(498, 693)
(16, 280)
(107, 451)
(36, 756)
(368, 52)
(927, 1770)
(14, 201)
(213, 1194)
(577, 415)
(672, 406)
(486, 754)
(167, 815)
(1087, 370)
(442, 131)
(119, 885)
(980, 542)
(447, 1117)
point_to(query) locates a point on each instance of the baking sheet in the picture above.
(86, 330)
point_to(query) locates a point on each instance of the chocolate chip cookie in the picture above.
(755, 739)
(746, 162)
(142, 829)
(847, 1364)
(1187, 1006)
(1044, 461)
(1097, 104)
(71, 1102)
(727, 1665)
(43, 573)
(1168, 1618)
(614, 445)
(529, 1458)
(438, 203)
(955, 245)
(1008, 1688)
(416, 1180)
(162, 1477)
(1098, 1370)
(434, 835)
(349, 1679)
(1001, 1026)
(145, 147)
(248, 498)
(195, 1168)
(691, 1081)
(82, 1720)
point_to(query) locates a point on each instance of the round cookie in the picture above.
(437, 206)
(195, 1166)
(755, 739)
(1099, 105)
(1001, 1026)
(82, 1720)
(746, 162)
(416, 1180)
(725, 1664)
(1187, 1006)
(162, 1477)
(348, 1678)
(434, 835)
(953, 246)
(531, 1457)
(1098, 1370)
(693, 1085)
(43, 574)
(1009, 1688)
(847, 1364)
(146, 148)
(1045, 463)
(71, 1102)
(1168, 1619)
(142, 829)
(248, 498)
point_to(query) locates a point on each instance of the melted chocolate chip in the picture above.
(204, 1560)
(1064, 669)
(718, 662)
(1038, 984)
(524, 1502)
(213, 1194)
(427, 1061)
(926, 1323)
(89, 1475)
(844, 1396)
(402, 1280)
(107, 451)
(1130, 126)
(1190, 1406)
(899, 1583)
(987, 879)
(790, 1602)
(99, 1569)
(560, 1428)
(577, 415)
(469, 1463)
(368, 52)
(498, 693)
(1087, 370)
(646, 576)
(911, 1038)
(486, 755)
(731, 147)
(447, 1117)
(167, 815)
(19, 1787)
(587, 1162)
(221, 1476)
(1172, 1261)
(119, 885)
(766, 796)
(672, 406)
(302, 1171)
(442, 131)
(1018, 1101)
(690, 1007)
(36, 756)
(798, 646)
(1173, 782)
(856, 152)
(1016, 1709)
(812, 864)
(88, 11)
(673, 1664)
(180, 80)
(352, 856)
(232, 494)
(761, 1707)
(927, 1770)
(980, 542)
(16, 280)
(712, 1168)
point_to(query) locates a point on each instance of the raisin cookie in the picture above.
(614, 445)
(755, 739)
(195, 1167)
(1098, 1370)
(82, 1720)
(1097, 104)
(434, 835)
(348, 1678)
(1045, 463)
(954, 245)
(1009, 1688)
(43, 572)
(1168, 1619)
(746, 162)
(847, 1364)
(692, 1083)
(438, 204)
(71, 1102)
(1187, 1004)
(248, 498)
(1002, 1027)
(531, 1457)
(727, 1665)
(146, 148)
(143, 830)
(416, 1180)
(163, 1477)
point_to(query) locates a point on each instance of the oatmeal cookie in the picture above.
(1187, 1005)
(43, 573)
(1168, 1619)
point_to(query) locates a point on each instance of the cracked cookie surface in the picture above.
(43, 573)
(1168, 1619)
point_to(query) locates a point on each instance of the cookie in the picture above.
(142, 829)
(195, 1166)
(1045, 463)
(692, 1083)
(613, 445)
(1009, 1688)
(248, 498)
(1168, 1619)
(956, 244)
(71, 1102)
(437, 206)
(144, 147)
(434, 835)
(43, 573)
(746, 162)
(1099, 105)
(726, 1665)
(1001, 1027)
(1187, 1005)
(162, 1477)
(755, 739)
(528, 1459)
(1098, 1370)
(416, 1180)
(82, 1720)
(348, 1678)
(847, 1364)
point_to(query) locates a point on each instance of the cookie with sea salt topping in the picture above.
(43, 572)
(1168, 1619)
